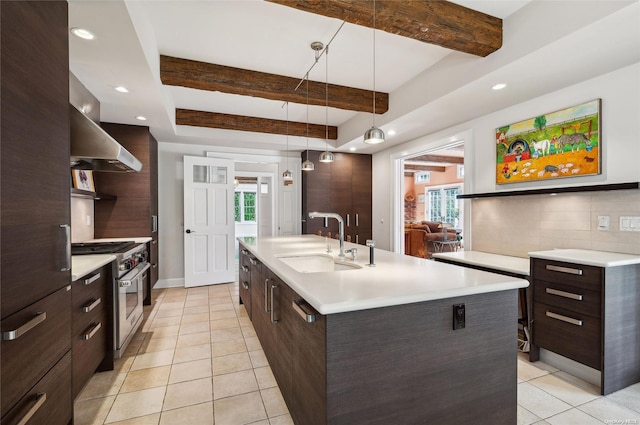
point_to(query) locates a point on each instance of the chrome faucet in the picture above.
(316, 214)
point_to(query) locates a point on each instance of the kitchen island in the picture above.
(406, 341)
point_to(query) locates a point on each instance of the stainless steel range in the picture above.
(129, 275)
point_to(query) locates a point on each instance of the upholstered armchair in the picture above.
(419, 238)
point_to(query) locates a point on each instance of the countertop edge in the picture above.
(562, 255)
(82, 265)
(459, 257)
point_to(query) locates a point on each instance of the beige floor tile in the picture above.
(164, 332)
(198, 296)
(188, 393)
(199, 414)
(248, 332)
(142, 420)
(539, 402)
(220, 300)
(170, 305)
(102, 384)
(196, 302)
(158, 344)
(153, 359)
(245, 321)
(190, 371)
(224, 348)
(609, 412)
(137, 403)
(146, 378)
(265, 377)
(226, 334)
(281, 420)
(224, 323)
(273, 402)
(573, 417)
(223, 314)
(123, 364)
(231, 363)
(94, 411)
(220, 307)
(133, 347)
(235, 383)
(258, 359)
(165, 321)
(628, 397)
(240, 409)
(194, 352)
(525, 417)
(169, 313)
(199, 309)
(566, 391)
(198, 290)
(197, 317)
(527, 370)
(192, 328)
(253, 343)
(188, 340)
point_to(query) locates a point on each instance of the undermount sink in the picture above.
(316, 263)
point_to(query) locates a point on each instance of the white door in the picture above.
(208, 221)
(265, 206)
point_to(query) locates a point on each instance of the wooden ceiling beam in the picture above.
(417, 168)
(226, 79)
(258, 125)
(439, 158)
(431, 21)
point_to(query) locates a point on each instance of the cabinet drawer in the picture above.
(579, 340)
(89, 348)
(33, 340)
(88, 295)
(571, 298)
(245, 293)
(587, 277)
(49, 401)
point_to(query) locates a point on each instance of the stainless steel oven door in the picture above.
(129, 314)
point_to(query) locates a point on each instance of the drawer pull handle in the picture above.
(266, 296)
(568, 270)
(40, 317)
(92, 279)
(564, 318)
(92, 332)
(245, 252)
(273, 309)
(564, 294)
(253, 262)
(245, 269)
(39, 401)
(306, 316)
(93, 304)
(67, 235)
(245, 285)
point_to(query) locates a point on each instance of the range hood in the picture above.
(92, 148)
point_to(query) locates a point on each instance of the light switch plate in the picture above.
(629, 224)
(603, 222)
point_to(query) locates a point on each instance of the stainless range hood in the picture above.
(92, 148)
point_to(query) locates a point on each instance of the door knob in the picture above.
(189, 231)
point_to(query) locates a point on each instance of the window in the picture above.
(443, 204)
(423, 177)
(244, 206)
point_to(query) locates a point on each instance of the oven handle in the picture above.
(126, 280)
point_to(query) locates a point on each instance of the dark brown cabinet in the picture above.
(245, 280)
(134, 211)
(589, 314)
(343, 187)
(35, 215)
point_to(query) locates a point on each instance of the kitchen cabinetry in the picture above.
(35, 265)
(245, 280)
(590, 315)
(135, 211)
(343, 187)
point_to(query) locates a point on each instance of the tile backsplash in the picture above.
(520, 224)
(82, 215)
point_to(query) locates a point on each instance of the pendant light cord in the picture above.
(326, 140)
(287, 135)
(374, 63)
(307, 116)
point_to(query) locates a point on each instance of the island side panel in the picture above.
(406, 365)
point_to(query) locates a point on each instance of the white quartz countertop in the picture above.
(587, 257)
(396, 279)
(82, 265)
(138, 239)
(505, 263)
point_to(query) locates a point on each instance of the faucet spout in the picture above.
(316, 214)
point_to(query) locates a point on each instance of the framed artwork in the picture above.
(565, 143)
(83, 180)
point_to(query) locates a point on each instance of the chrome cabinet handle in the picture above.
(92, 279)
(564, 318)
(244, 252)
(92, 332)
(39, 401)
(273, 310)
(245, 285)
(564, 294)
(39, 317)
(245, 269)
(357, 220)
(253, 262)
(347, 220)
(357, 239)
(154, 223)
(67, 234)
(306, 316)
(568, 270)
(266, 305)
(87, 308)
(154, 242)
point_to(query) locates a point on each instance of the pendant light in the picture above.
(287, 176)
(374, 135)
(326, 156)
(308, 165)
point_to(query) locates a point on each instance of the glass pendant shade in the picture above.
(308, 166)
(326, 156)
(374, 136)
(287, 176)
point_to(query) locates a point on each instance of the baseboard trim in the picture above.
(169, 283)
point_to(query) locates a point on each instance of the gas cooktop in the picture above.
(85, 248)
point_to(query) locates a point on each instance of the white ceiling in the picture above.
(423, 80)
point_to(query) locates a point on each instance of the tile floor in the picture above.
(196, 360)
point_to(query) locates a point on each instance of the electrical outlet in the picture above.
(88, 220)
(458, 316)
(603, 222)
(629, 224)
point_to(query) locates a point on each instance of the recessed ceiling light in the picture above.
(352, 149)
(122, 89)
(83, 33)
(499, 86)
(141, 118)
(391, 132)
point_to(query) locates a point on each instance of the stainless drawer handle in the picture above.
(92, 279)
(564, 318)
(40, 317)
(564, 294)
(253, 262)
(266, 302)
(245, 285)
(347, 220)
(87, 308)
(92, 332)
(67, 235)
(39, 401)
(245, 269)
(244, 252)
(273, 310)
(568, 270)
(306, 316)
(357, 224)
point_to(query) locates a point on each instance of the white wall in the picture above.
(171, 194)
(620, 94)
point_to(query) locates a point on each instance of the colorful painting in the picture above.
(559, 144)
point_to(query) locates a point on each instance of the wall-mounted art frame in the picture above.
(83, 180)
(564, 143)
